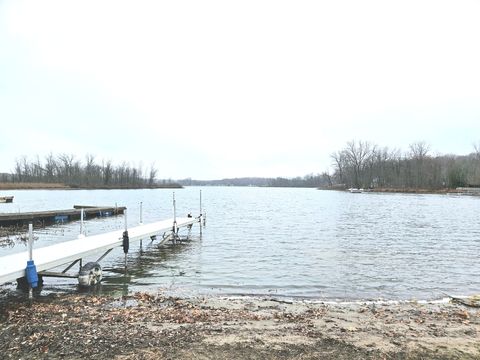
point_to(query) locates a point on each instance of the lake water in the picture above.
(284, 242)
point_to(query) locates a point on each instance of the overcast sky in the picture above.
(214, 89)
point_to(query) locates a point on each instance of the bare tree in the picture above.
(66, 164)
(107, 171)
(419, 153)
(357, 157)
(152, 175)
(326, 178)
(339, 164)
(476, 147)
(18, 170)
(51, 168)
(419, 150)
(475, 176)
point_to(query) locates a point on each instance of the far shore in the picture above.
(398, 190)
(60, 186)
(415, 191)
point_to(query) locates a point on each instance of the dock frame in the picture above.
(12, 267)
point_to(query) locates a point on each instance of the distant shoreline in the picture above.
(59, 186)
(400, 191)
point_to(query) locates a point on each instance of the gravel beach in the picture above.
(154, 326)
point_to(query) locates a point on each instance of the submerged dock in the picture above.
(6, 199)
(58, 216)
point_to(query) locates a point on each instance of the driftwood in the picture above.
(472, 301)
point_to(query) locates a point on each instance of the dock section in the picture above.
(58, 216)
(12, 266)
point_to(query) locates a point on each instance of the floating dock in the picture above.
(12, 267)
(58, 216)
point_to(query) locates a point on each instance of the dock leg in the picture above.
(126, 241)
(30, 256)
(200, 216)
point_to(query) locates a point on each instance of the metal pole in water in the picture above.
(30, 241)
(174, 219)
(141, 221)
(30, 255)
(174, 208)
(81, 223)
(200, 216)
(125, 239)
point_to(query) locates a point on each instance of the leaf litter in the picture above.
(151, 326)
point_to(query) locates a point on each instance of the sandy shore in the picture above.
(146, 326)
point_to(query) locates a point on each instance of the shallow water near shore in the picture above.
(298, 243)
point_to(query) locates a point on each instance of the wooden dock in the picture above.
(13, 266)
(49, 217)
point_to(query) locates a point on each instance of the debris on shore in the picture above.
(153, 326)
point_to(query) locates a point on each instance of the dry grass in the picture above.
(17, 186)
(55, 186)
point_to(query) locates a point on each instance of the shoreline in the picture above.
(402, 191)
(152, 325)
(59, 186)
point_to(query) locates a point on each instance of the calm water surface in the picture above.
(283, 242)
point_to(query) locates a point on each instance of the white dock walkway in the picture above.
(13, 266)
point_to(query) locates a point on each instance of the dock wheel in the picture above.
(90, 274)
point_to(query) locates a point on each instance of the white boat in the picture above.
(6, 199)
(355, 190)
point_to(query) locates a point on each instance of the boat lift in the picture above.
(12, 267)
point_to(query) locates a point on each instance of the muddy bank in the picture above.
(145, 326)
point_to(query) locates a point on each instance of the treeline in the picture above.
(310, 180)
(362, 164)
(68, 169)
(244, 181)
(306, 181)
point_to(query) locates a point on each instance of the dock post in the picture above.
(30, 241)
(82, 214)
(141, 221)
(126, 240)
(31, 270)
(200, 216)
(174, 219)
